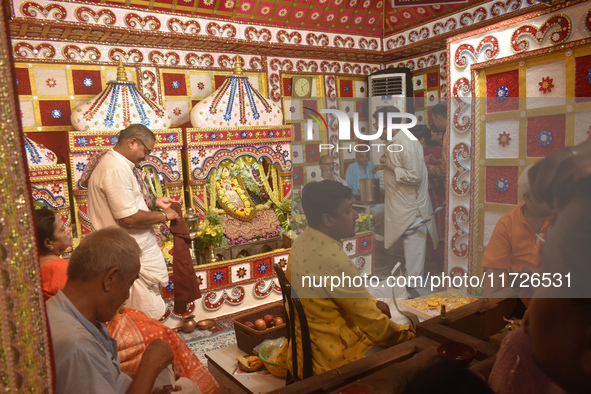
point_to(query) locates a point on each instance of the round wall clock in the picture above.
(302, 86)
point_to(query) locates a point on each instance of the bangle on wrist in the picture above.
(154, 202)
(165, 217)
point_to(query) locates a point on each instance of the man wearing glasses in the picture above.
(327, 166)
(117, 195)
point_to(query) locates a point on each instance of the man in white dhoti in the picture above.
(407, 199)
(118, 196)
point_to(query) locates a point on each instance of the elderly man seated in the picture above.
(345, 321)
(515, 241)
(101, 271)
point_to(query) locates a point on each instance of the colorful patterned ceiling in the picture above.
(399, 19)
(362, 17)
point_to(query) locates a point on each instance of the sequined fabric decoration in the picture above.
(24, 351)
(242, 86)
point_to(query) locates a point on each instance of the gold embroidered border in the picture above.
(24, 350)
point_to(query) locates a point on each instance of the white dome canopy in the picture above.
(119, 106)
(236, 104)
(38, 155)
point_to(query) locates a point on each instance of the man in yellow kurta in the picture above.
(345, 321)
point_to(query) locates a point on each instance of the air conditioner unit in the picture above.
(389, 87)
(392, 86)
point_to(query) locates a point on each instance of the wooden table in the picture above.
(387, 371)
(221, 364)
(474, 324)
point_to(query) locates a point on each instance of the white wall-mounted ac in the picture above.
(389, 87)
(392, 86)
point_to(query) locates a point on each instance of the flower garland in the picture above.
(276, 186)
(273, 194)
(154, 182)
(258, 181)
(265, 206)
(245, 213)
(167, 251)
(212, 193)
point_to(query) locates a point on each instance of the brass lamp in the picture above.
(192, 221)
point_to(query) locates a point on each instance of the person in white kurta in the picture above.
(115, 198)
(407, 201)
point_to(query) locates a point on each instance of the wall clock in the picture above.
(301, 86)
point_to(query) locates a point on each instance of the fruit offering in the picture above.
(260, 325)
(267, 321)
(249, 324)
(249, 363)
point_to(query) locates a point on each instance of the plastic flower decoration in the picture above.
(545, 138)
(502, 92)
(210, 231)
(364, 223)
(502, 185)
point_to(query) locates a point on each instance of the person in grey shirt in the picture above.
(100, 274)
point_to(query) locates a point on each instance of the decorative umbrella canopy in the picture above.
(236, 104)
(38, 155)
(119, 106)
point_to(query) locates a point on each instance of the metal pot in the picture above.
(369, 189)
(188, 325)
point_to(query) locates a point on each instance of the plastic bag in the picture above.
(270, 348)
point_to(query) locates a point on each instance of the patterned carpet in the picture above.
(219, 336)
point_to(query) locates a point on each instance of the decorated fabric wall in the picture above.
(514, 134)
(429, 82)
(43, 36)
(542, 56)
(328, 92)
(229, 288)
(426, 91)
(58, 68)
